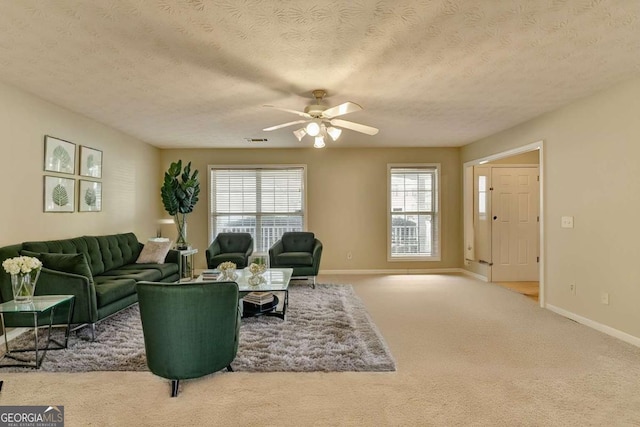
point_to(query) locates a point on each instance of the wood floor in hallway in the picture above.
(529, 289)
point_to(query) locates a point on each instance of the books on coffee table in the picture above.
(210, 274)
(259, 298)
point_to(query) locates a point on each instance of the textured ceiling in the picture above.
(195, 73)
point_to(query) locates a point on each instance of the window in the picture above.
(413, 220)
(265, 201)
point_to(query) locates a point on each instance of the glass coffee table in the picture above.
(40, 305)
(276, 280)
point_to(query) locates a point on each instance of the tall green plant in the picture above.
(179, 195)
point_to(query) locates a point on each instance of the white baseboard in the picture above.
(474, 275)
(595, 325)
(396, 271)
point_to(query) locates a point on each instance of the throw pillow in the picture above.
(154, 252)
(68, 263)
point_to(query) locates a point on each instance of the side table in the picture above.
(40, 305)
(185, 266)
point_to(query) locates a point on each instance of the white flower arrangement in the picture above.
(256, 269)
(227, 265)
(21, 265)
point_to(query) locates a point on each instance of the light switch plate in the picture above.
(567, 222)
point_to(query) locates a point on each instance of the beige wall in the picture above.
(591, 172)
(528, 158)
(347, 200)
(130, 173)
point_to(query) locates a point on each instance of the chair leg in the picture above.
(313, 283)
(174, 388)
(229, 368)
(93, 332)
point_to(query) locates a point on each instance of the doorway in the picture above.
(502, 221)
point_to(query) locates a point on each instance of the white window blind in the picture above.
(264, 201)
(413, 212)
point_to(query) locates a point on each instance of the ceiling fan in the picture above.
(321, 120)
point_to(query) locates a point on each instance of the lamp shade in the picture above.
(334, 133)
(319, 142)
(313, 128)
(300, 133)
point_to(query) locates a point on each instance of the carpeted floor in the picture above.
(468, 353)
(327, 329)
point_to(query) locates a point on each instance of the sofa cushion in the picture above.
(234, 242)
(86, 245)
(110, 289)
(166, 269)
(118, 250)
(154, 252)
(294, 258)
(237, 258)
(68, 263)
(299, 241)
(149, 274)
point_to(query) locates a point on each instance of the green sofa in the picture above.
(101, 272)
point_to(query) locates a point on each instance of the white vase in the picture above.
(23, 286)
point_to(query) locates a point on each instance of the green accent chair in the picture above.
(190, 330)
(299, 250)
(233, 247)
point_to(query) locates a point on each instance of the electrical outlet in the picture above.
(604, 298)
(567, 222)
(349, 255)
(572, 288)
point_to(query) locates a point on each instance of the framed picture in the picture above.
(59, 155)
(90, 162)
(59, 194)
(90, 196)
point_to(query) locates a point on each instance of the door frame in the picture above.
(468, 201)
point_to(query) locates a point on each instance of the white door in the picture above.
(514, 237)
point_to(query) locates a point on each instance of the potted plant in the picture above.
(179, 196)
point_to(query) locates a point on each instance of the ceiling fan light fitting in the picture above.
(313, 128)
(319, 142)
(334, 133)
(300, 133)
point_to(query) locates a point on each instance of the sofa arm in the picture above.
(212, 250)
(317, 254)
(53, 282)
(249, 251)
(274, 251)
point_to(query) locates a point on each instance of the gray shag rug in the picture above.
(326, 329)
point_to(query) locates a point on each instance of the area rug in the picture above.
(326, 329)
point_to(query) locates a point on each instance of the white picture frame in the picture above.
(59, 155)
(90, 196)
(90, 162)
(59, 194)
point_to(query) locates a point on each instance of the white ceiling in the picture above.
(195, 73)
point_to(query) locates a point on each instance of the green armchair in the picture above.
(190, 330)
(233, 247)
(299, 250)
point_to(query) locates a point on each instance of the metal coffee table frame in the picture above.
(276, 280)
(41, 304)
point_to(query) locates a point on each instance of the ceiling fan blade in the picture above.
(354, 126)
(341, 110)
(299, 113)
(284, 125)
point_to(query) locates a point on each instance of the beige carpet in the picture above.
(467, 353)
